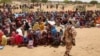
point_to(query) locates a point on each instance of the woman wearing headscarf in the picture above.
(43, 38)
(4, 40)
(41, 26)
(37, 32)
(36, 26)
(18, 39)
(12, 38)
(51, 30)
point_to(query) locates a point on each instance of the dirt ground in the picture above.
(87, 44)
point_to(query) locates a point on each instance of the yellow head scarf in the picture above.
(36, 26)
(4, 40)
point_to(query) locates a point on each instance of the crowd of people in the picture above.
(41, 28)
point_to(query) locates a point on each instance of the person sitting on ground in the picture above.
(4, 40)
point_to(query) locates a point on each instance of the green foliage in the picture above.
(94, 2)
(65, 1)
(78, 2)
(44, 1)
(69, 1)
(5, 1)
(35, 1)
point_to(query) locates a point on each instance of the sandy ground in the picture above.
(87, 44)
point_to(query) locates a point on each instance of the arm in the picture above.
(63, 36)
(74, 33)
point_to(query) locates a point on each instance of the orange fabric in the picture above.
(98, 20)
(41, 26)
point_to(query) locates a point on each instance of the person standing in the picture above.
(69, 38)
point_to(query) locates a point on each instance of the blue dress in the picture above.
(53, 31)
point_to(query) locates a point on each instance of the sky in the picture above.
(79, 0)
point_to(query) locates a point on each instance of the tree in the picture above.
(66, 1)
(44, 1)
(79, 2)
(35, 1)
(5, 1)
(94, 2)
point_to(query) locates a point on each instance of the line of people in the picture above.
(39, 34)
